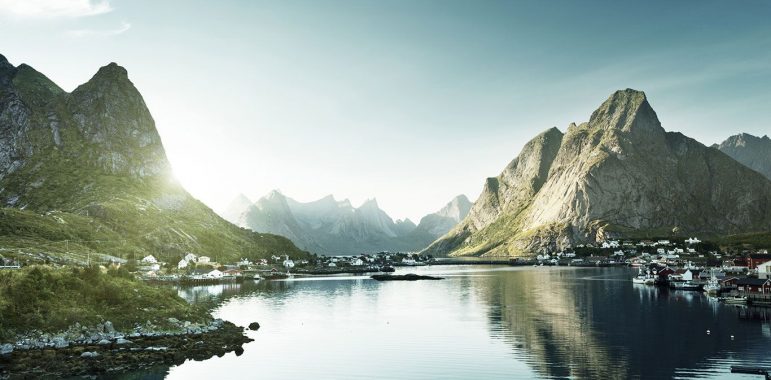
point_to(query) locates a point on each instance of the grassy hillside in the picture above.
(47, 299)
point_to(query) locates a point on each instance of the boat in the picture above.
(736, 300)
(713, 285)
(643, 277)
(685, 285)
(256, 277)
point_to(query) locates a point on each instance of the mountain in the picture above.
(619, 174)
(84, 176)
(752, 151)
(334, 227)
(235, 208)
(442, 221)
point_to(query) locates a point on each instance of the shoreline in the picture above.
(117, 352)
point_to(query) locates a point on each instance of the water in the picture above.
(481, 322)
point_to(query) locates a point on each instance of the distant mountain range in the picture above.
(752, 151)
(84, 177)
(619, 174)
(331, 227)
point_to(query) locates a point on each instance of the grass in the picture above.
(51, 299)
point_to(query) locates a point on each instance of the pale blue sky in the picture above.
(412, 102)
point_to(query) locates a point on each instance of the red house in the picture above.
(756, 259)
(754, 285)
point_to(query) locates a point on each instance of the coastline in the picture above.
(112, 352)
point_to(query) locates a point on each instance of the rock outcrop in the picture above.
(618, 174)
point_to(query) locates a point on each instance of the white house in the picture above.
(288, 263)
(182, 264)
(688, 275)
(357, 262)
(764, 270)
(150, 259)
(692, 240)
(244, 262)
(618, 253)
(661, 251)
(408, 261)
(191, 258)
(663, 242)
(331, 265)
(610, 244)
(204, 260)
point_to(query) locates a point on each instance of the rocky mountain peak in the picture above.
(751, 151)
(626, 110)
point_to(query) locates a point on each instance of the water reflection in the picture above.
(483, 322)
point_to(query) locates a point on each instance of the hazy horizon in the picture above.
(411, 103)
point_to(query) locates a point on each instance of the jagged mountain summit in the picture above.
(235, 208)
(619, 174)
(442, 221)
(86, 172)
(332, 227)
(752, 151)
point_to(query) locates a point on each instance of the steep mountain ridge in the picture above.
(334, 227)
(86, 172)
(752, 151)
(620, 172)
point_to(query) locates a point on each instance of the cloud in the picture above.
(54, 8)
(124, 26)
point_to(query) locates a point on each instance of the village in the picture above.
(194, 269)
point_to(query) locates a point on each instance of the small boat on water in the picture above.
(736, 300)
(684, 285)
(256, 277)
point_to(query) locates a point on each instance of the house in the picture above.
(357, 262)
(204, 260)
(182, 264)
(663, 242)
(756, 259)
(150, 259)
(754, 285)
(288, 263)
(610, 244)
(244, 262)
(729, 282)
(692, 240)
(618, 253)
(663, 274)
(764, 270)
(331, 265)
(191, 258)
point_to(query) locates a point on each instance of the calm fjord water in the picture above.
(481, 322)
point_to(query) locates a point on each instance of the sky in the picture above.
(411, 102)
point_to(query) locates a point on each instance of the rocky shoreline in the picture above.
(102, 350)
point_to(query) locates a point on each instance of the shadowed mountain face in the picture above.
(752, 151)
(332, 227)
(86, 172)
(620, 173)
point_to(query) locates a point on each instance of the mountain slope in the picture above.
(619, 173)
(752, 151)
(86, 172)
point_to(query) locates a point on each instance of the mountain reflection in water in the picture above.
(481, 322)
